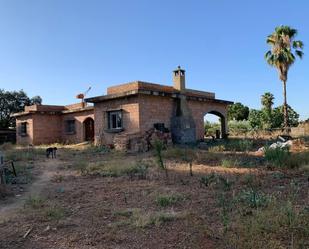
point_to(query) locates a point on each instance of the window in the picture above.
(23, 128)
(115, 120)
(70, 126)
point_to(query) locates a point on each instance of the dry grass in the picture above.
(233, 200)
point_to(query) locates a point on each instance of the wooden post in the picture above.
(13, 167)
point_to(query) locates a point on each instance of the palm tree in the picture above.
(267, 100)
(284, 50)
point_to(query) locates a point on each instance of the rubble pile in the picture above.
(286, 142)
(137, 142)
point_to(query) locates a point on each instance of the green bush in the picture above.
(277, 156)
(208, 179)
(237, 128)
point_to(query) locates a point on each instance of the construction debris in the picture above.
(27, 233)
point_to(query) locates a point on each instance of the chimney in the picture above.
(179, 79)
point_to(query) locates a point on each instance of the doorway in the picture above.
(89, 129)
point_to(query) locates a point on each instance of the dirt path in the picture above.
(45, 171)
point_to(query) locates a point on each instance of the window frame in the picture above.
(115, 125)
(23, 128)
(70, 126)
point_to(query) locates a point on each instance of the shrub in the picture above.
(159, 146)
(277, 156)
(216, 148)
(168, 200)
(208, 179)
(35, 202)
(237, 128)
(54, 212)
(253, 198)
(228, 163)
(225, 183)
(240, 145)
(138, 170)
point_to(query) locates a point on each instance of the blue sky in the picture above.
(57, 48)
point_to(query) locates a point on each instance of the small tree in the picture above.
(159, 146)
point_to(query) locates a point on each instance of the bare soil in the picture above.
(92, 205)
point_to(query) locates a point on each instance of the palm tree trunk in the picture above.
(285, 108)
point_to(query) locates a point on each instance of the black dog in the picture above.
(51, 151)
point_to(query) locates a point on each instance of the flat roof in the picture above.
(189, 95)
(46, 111)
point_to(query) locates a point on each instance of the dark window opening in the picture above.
(23, 128)
(115, 120)
(70, 126)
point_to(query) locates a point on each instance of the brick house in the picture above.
(125, 113)
(45, 124)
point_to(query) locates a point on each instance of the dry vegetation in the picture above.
(97, 198)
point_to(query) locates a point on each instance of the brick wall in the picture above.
(122, 88)
(46, 128)
(51, 108)
(50, 128)
(155, 109)
(76, 106)
(79, 117)
(199, 110)
(24, 139)
(130, 111)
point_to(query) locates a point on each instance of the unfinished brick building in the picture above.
(46, 124)
(130, 110)
(125, 114)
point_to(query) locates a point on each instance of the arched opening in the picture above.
(88, 129)
(215, 125)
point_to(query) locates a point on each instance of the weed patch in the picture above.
(35, 202)
(168, 200)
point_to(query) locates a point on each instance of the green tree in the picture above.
(238, 112)
(210, 128)
(278, 117)
(12, 102)
(283, 52)
(267, 101)
(255, 119)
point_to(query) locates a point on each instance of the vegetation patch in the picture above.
(35, 202)
(115, 169)
(169, 200)
(142, 219)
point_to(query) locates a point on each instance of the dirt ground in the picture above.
(70, 206)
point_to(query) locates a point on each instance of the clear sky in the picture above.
(57, 48)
